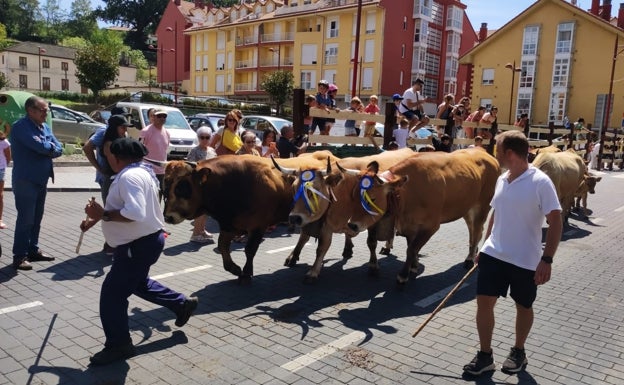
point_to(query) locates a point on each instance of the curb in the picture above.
(66, 189)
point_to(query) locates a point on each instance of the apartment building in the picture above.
(231, 49)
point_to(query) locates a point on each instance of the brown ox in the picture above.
(425, 191)
(242, 193)
(587, 186)
(323, 206)
(566, 170)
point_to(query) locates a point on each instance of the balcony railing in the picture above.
(245, 87)
(245, 63)
(276, 37)
(246, 40)
(331, 59)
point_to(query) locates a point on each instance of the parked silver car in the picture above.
(258, 123)
(71, 126)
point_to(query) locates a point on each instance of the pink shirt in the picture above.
(372, 109)
(157, 142)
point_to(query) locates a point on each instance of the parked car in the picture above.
(258, 123)
(100, 116)
(71, 126)
(208, 120)
(182, 136)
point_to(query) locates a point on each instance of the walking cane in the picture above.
(84, 231)
(448, 296)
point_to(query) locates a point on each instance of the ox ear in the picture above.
(598, 178)
(373, 167)
(202, 175)
(346, 170)
(283, 170)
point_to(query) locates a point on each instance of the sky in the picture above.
(495, 13)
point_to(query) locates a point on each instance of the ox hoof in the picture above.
(244, 280)
(347, 254)
(384, 251)
(418, 270)
(308, 279)
(373, 271)
(468, 264)
(290, 262)
(234, 269)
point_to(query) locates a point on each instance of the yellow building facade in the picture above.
(236, 47)
(563, 58)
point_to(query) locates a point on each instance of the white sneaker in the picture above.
(201, 238)
(208, 235)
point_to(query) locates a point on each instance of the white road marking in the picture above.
(189, 270)
(597, 220)
(11, 309)
(324, 351)
(274, 251)
(435, 297)
(621, 208)
(619, 176)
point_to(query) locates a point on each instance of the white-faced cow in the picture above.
(425, 191)
(323, 202)
(587, 186)
(242, 193)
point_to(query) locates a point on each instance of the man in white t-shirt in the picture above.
(412, 106)
(133, 224)
(511, 257)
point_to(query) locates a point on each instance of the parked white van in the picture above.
(182, 136)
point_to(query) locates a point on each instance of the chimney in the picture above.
(620, 19)
(595, 7)
(573, 2)
(606, 10)
(483, 32)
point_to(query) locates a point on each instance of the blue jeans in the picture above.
(129, 275)
(29, 203)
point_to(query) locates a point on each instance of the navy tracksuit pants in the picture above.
(129, 275)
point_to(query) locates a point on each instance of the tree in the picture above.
(3, 80)
(97, 64)
(141, 16)
(279, 86)
(21, 18)
(82, 21)
(53, 21)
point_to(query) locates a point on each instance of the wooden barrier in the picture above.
(611, 149)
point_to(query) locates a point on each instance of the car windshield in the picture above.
(278, 123)
(175, 120)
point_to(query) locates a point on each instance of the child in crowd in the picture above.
(310, 102)
(373, 109)
(400, 134)
(5, 159)
(352, 127)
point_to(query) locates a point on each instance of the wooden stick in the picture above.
(448, 296)
(83, 232)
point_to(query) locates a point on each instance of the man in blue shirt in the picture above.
(34, 146)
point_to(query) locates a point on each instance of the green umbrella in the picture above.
(12, 108)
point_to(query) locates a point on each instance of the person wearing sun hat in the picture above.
(132, 223)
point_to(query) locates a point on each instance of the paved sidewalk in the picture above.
(67, 177)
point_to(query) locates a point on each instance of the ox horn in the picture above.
(328, 170)
(283, 170)
(156, 162)
(347, 171)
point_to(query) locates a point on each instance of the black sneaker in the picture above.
(483, 362)
(515, 362)
(112, 353)
(190, 304)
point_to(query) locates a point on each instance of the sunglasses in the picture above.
(42, 109)
(204, 137)
(252, 142)
(161, 116)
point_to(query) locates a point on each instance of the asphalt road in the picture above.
(348, 328)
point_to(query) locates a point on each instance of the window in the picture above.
(205, 42)
(308, 54)
(198, 83)
(333, 29)
(198, 66)
(421, 30)
(454, 18)
(64, 84)
(564, 38)
(487, 76)
(524, 103)
(307, 80)
(367, 79)
(450, 87)
(220, 40)
(64, 66)
(45, 63)
(560, 72)
(402, 51)
(45, 84)
(404, 23)
(422, 7)
(23, 81)
(23, 62)
(434, 39)
(198, 42)
(370, 22)
(452, 43)
(369, 51)
(331, 54)
(557, 107)
(450, 68)
(419, 57)
(527, 76)
(530, 39)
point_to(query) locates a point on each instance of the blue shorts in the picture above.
(496, 277)
(410, 114)
(2, 174)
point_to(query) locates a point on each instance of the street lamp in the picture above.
(175, 60)
(279, 53)
(513, 69)
(40, 51)
(356, 52)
